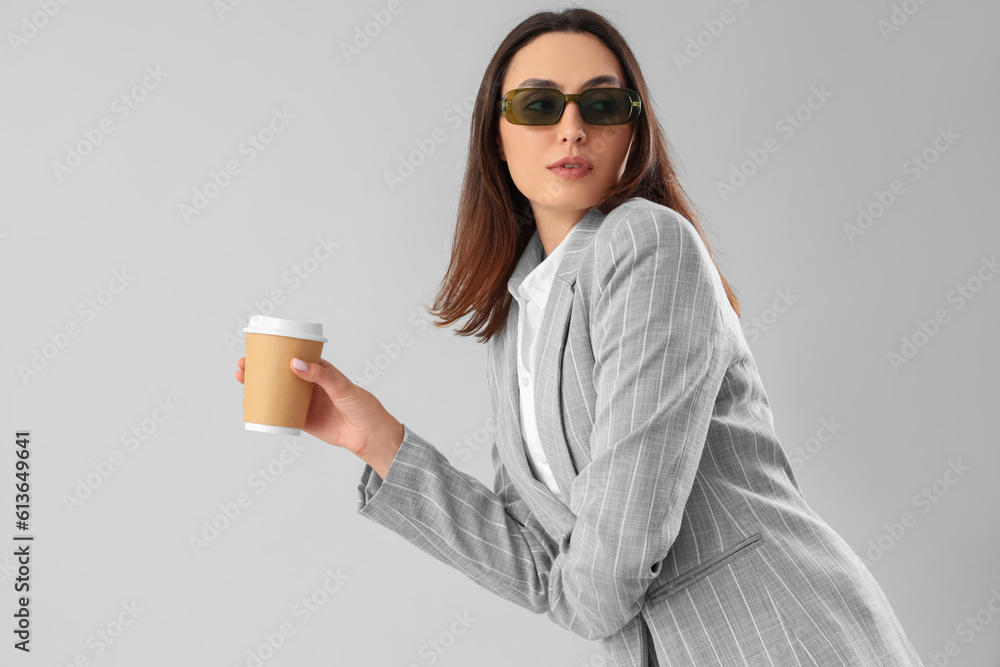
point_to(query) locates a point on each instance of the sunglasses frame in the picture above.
(507, 103)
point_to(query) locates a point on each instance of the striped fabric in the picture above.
(532, 295)
(686, 540)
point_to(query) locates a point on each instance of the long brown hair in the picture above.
(495, 221)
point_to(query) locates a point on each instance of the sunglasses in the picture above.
(544, 106)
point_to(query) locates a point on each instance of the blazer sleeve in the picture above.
(655, 329)
(490, 536)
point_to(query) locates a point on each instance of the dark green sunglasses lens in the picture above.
(536, 107)
(606, 106)
(598, 106)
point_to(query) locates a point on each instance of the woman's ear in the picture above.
(503, 158)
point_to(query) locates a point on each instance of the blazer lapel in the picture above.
(548, 396)
(553, 336)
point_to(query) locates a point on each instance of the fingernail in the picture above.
(299, 364)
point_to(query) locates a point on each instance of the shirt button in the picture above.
(525, 382)
(543, 460)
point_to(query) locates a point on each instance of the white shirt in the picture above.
(532, 295)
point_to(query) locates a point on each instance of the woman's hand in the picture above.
(346, 415)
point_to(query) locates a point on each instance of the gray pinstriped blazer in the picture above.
(686, 540)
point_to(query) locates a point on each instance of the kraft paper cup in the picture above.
(275, 399)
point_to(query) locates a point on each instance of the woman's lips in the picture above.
(570, 173)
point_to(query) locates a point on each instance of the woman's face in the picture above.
(569, 60)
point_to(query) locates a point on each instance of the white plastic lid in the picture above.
(276, 326)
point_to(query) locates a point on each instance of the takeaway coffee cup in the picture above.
(275, 399)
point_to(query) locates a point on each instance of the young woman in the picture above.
(641, 496)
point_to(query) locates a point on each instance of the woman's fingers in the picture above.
(326, 376)
(323, 373)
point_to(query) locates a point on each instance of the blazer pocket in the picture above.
(702, 570)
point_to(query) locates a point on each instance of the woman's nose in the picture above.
(571, 121)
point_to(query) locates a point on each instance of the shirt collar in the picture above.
(574, 245)
(537, 284)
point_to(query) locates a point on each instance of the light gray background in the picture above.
(173, 333)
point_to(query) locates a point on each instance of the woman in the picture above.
(641, 496)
